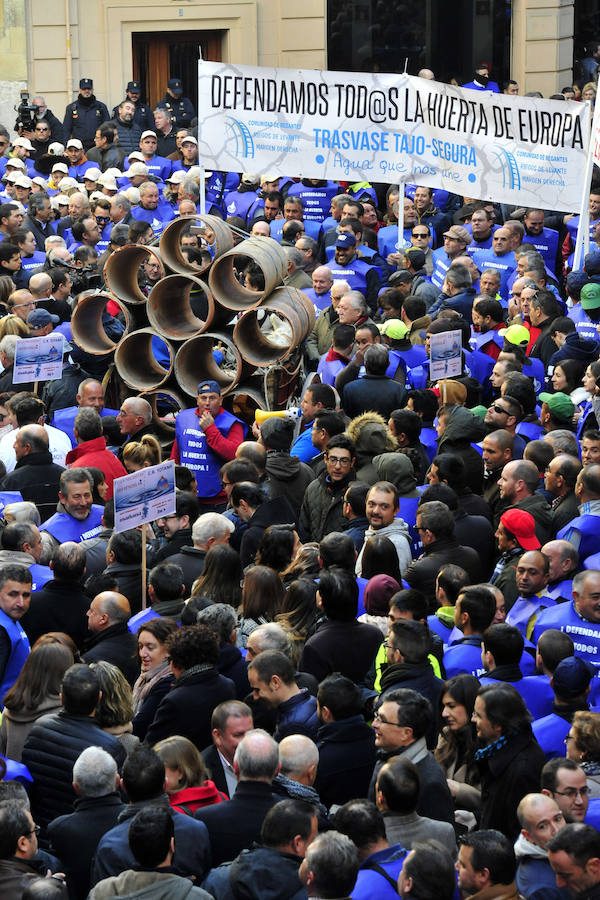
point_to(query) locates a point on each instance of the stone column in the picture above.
(542, 45)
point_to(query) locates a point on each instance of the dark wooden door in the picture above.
(158, 56)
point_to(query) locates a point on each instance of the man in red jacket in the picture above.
(91, 448)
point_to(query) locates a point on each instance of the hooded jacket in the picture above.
(398, 533)
(397, 468)
(371, 437)
(534, 872)
(464, 428)
(576, 347)
(259, 873)
(322, 507)
(288, 477)
(154, 885)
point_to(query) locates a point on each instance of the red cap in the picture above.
(522, 525)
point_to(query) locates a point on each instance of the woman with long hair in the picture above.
(305, 564)
(277, 547)
(114, 713)
(142, 454)
(155, 678)
(566, 378)
(188, 780)
(299, 614)
(35, 693)
(262, 595)
(380, 558)
(457, 741)
(221, 577)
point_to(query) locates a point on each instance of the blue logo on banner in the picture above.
(510, 170)
(244, 142)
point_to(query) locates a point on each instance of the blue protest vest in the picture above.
(479, 365)
(479, 340)
(435, 625)
(464, 657)
(428, 438)
(416, 356)
(586, 410)
(328, 369)
(550, 733)
(319, 301)
(64, 527)
(562, 589)
(311, 228)
(587, 329)
(16, 771)
(474, 246)
(573, 228)
(524, 608)
(145, 615)
(218, 185)
(387, 239)
(64, 419)
(19, 652)
(441, 264)
(7, 497)
(315, 198)
(34, 261)
(195, 453)
(40, 575)
(156, 218)
(537, 694)
(546, 244)
(588, 527)
(355, 273)
(239, 204)
(585, 635)
(530, 430)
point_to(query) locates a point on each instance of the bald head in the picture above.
(137, 406)
(299, 758)
(256, 757)
(113, 605)
(40, 285)
(30, 439)
(540, 818)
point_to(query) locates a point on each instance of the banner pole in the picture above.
(583, 233)
(400, 216)
(202, 190)
(144, 566)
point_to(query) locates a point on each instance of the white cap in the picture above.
(106, 181)
(92, 174)
(113, 172)
(13, 177)
(68, 183)
(189, 139)
(270, 176)
(148, 133)
(15, 163)
(138, 168)
(97, 195)
(136, 155)
(249, 178)
(74, 142)
(23, 181)
(61, 199)
(41, 181)
(60, 167)
(177, 177)
(23, 142)
(56, 149)
(133, 195)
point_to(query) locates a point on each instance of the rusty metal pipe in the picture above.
(121, 271)
(259, 347)
(266, 253)
(136, 363)
(86, 324)
(170, 243)
(195, 362)
(181, 306)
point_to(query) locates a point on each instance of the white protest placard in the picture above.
(38, 359)
(144, 496)
(445, 354)
(393, 128)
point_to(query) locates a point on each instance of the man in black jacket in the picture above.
(208, 530)
(61, 604)
(39, 218)
(35, 475)
(346, 743)
(233, 826)
(229, 723)
(177, 527)
(127, 128)
(251, 505)
(110, 640)
(75, 836)
(84, 115)
(376, 391)
(56, 741)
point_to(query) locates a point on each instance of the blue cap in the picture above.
(345, 239)
(575, 281)
(39, 318)
(571, 677)
(591, 263)
(175, 85)
(86, 84)
(209, 387)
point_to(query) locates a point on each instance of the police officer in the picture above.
(84, 115)
(143, 116)
(180, 108)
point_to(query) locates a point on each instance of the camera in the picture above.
(26, 113)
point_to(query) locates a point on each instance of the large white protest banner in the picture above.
(391, 128)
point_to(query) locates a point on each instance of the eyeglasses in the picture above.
(102, 219)
(420, 528)
(420, 234)
(35, 830)
(339, 461)
(383, 721)
(500, 410)
(42, 129)
(572, 793)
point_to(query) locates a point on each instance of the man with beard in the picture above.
(128, 130)
(497, 450)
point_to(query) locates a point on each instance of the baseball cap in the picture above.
(40, 181)
(137, 168)
(85, 84)
(591, 262)
(148, 133)
(67, 183)
(60, 199)
(23, 181)
(516, 334)
(15, 163)
(74, 142)
(12, 177)
(249, 177)
(38, 318)
(459, 234)
(56, 149)
(189, 139)
(416, 257)
(558, 403)
(108, 181)
(394, 329)
(345, 239)
(92, 174)
(136, 155)
(133, 87)
(576, 280)
(590, 295)
(177, 177)
(23, 142)
(209, 387)
(60, 167)
(522, 525)
(175, 85)
(572, 677)
(97, 195)
(270, 176)
(133, 195)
